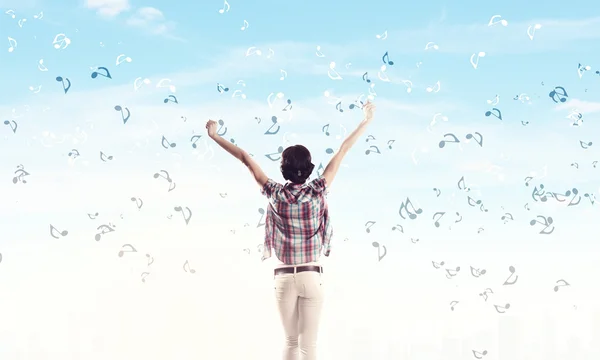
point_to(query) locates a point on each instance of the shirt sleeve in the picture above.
(270, 188)
(320, 185)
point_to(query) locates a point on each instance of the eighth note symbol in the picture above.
(368, 225)
(182, 210)
(376, 245)
(54, 232)
(61, 80)
(96, 73)
(564, 283)
(166, 144)
(171, 98)
(125, 118)
(404, 206)
(452, 304)
(479, 355)
(187, 264)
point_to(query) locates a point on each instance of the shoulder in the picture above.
(319, 185)
(271, 187)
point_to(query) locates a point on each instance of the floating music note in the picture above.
(185, 217)
(144, 275)
(12, 44)
(531, 30)
(508, 281)
(494, 112)
(270, 156)
(473, 136)
(189, 269)
(125, 249)
(138, 202)
(379, 255)
(55, 232)
(411, 214)
(66, 86)
(332, 73)
(443, 142)
(501, 22)
(450, 273)
(368, 226)
(194, 139)
(503, 308)
(166, 143)
(559, 94)
(372, 149)
(122, 58)
(104, 158)
(546, 222)
(560, 283)
(386, 59)
(12, 124)
(106, 74)
(476, 272)
(261, 211)
(479, 355)
(104, 229)
(437, 217)
(475, 61)
(453, 304)
(122, 111)
(225, 8)
(171, 98)
(165, 175)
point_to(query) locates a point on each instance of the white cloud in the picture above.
(152, 20)
(108, 8)
(582, 106)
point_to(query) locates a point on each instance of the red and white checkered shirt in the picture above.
(297, 223)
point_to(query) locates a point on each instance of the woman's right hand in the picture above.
(368, 110)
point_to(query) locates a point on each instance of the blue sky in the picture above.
(195, 47)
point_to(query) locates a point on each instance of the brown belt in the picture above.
(290, 270)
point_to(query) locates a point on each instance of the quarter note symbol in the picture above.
(386, 59)
(189, 269)
(124, 250)
(125, 117)
(261, 211)
(225, 8)
(452, 304)
(379, 255)
(166, 144)
(473, 136)
(508, 281)
(270, 156)
(171, 98)
(185, 217)
(443, 142)
(106, 75)
(66, 86)
(494, 112)
(55, 232)
(194, 140)
(560, 283)
(411, 214)
(13, 125)
(370, 150)
(368, 226)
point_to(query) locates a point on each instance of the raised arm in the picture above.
(334, 164)
(259, 175)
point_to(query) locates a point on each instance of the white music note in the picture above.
(283, 74)
(13, 44)
(238, 93)
(494, 101)
(61, 41)
(271, 53)
(408, 84)
(382, 36)
(502, 21)
(22, 22)
(475, 63)
(122, 58)
(253, 50)
(382, 75)
(279, 95)
(41, 66)
(139, 82)
(531, 30)
(319, 53)
(10, 13)
(348, 65)
(435, 88)
(431, 45)
(225, 8)
(246, 25)
(333, 75)
(39, 16)
(165, 83)
(434, 120)
(36, 89)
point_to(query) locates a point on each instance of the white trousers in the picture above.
(300, 300)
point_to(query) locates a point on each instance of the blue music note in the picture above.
(274, 120)
(61, 80)
(172, 99)
(497, 113)
(222, 123)
(221, 89)
(194, 140)
(96, 73)
(561, 94)
(125, 118)
(386, 59)
(270, 156)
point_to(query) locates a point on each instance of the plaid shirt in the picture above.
(297, 223)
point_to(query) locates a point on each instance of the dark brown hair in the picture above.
(296, 165)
